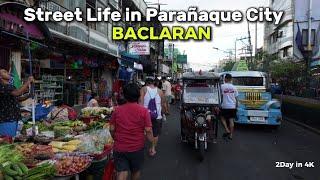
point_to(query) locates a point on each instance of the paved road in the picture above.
(252, 154)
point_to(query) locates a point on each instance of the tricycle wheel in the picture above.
(201, 150)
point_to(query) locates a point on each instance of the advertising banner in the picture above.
(139, 48)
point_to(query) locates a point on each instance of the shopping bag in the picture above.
(109, 171)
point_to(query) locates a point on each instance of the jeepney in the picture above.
(255, 104)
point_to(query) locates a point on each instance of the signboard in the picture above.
(10, 22)
(139, 47)
(182, 59)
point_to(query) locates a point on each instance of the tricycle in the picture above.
(199, 109)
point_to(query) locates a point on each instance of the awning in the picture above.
(130, 56)
(128, 59)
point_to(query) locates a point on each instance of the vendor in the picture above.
(93, 102)
(59, 112)
(9, 103)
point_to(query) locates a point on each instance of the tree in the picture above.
(228, 66)
(288, 74)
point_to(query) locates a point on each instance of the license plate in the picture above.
(257, 113)
(257, 119)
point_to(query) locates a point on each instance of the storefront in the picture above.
(15, 34)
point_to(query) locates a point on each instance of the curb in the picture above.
(314, 130)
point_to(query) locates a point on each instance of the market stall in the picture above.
(58, 149)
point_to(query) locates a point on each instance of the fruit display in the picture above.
(69, 146)
(70, 164)
(96, 111)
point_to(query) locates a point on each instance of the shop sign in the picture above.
(14, 24)
(165, 69)
(139, 48)
(182, 59)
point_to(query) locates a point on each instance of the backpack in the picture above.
(152, 107)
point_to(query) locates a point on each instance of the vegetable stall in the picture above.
(58, 149)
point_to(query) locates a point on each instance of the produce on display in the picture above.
(14, 170)
(42, 171)
(95, 141)
(34, 153)
(70, 146)
(70, 164)
(57, 148)
(61, 131)
(9, 154)
(96, 111)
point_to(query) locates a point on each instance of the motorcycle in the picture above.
(199, 110)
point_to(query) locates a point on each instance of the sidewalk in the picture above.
(304, 111)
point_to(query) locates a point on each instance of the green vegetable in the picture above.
(8, 153)
(23, 167)
(43, 171)
(16, 168)
(8, 171)
(6, 177)
(18, 178)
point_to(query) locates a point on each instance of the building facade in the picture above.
(81, 55)
(289, 39)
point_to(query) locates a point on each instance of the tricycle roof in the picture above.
(245, 73)
(200, 75)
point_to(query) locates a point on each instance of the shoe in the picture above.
(164, 118)
(225, 135)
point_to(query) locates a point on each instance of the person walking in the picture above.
(166, 87)
(128, 126)
(228, 106)
(9, 104)
(151, 98)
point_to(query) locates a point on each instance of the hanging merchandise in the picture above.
(122, 73)
(86, 72)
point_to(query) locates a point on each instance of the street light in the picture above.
(227, 52)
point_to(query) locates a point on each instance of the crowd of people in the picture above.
(139, 115)
(142, 115)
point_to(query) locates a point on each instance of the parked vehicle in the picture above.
(256, 105)
(200, 99)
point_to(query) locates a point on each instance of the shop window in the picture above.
(286, 52)
(305, 37)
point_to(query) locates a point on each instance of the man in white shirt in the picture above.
(229, 105)
(166, 87)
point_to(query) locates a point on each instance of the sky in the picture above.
(201, 55)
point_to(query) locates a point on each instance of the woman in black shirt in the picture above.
(9, 104)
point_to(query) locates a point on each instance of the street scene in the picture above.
(159, 90)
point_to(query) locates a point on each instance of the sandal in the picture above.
(152, 153)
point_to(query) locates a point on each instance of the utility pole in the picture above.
(256, 40)
(235, 50)
(172, 61)
(309, 47)
(250, 47)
